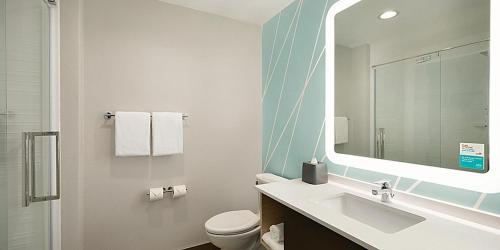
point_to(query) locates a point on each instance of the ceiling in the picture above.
(423, 18)
(249, 11)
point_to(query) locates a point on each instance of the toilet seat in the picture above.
(232, 222)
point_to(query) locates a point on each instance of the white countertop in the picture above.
(438, 231)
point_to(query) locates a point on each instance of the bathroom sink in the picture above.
(374, 214)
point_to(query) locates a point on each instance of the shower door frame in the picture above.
(52, 60)
(54, 76)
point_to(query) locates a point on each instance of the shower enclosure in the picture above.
(29, 124)
(425, 106)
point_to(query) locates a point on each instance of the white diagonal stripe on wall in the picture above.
(294, 108)
(291, 137)
(317, 38)
(272, 50)
(271, 136)
(479, 201)
(397, 182)
(345, 171)
(268, 159)
(323, 158)
(308, 74)
(319, 139)
(410, 189)
(268, 82)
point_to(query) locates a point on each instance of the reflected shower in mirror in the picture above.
(412, 82)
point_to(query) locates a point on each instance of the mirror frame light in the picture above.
(488, 182)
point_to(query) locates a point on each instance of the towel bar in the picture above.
(109, 115)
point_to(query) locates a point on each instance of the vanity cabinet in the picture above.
(300, 232)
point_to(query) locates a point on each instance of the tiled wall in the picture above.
(293, 78)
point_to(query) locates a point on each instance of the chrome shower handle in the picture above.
(380, 144)
(29, 149)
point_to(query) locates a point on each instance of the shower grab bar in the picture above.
(29, 150)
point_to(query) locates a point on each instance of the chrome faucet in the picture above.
(385, 191)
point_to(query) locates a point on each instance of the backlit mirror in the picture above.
(408, 87)
(411, 82)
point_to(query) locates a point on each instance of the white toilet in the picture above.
(238, 230)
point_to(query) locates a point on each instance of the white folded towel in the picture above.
(167, 133)
(271, 243)
(277, 232)
(267, 178)
(132, 133)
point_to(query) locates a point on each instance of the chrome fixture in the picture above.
(423, 59)
(385, 191)
(432, 52)
(30, 193)
(51, 2)
(109, 115)
(167, 190)
(380, 144)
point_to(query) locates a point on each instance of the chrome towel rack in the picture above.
(109, 116)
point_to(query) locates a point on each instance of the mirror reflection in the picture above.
(412, 80)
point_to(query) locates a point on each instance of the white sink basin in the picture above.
(374, 214)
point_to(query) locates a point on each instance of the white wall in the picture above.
(143, 55)
(352, 97)
(71, 125)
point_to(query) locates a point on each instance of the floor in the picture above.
(209, 246)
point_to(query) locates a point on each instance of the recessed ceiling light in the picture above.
(388, 14)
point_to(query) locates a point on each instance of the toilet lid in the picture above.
(232, 222)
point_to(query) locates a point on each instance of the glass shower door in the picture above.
(29, 176)
(3, 132)
(426, 106)
(407, 114)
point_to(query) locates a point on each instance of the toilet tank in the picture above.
(268, 178)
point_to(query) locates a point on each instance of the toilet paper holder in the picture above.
(167, 190)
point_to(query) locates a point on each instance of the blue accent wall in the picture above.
(293, 83)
